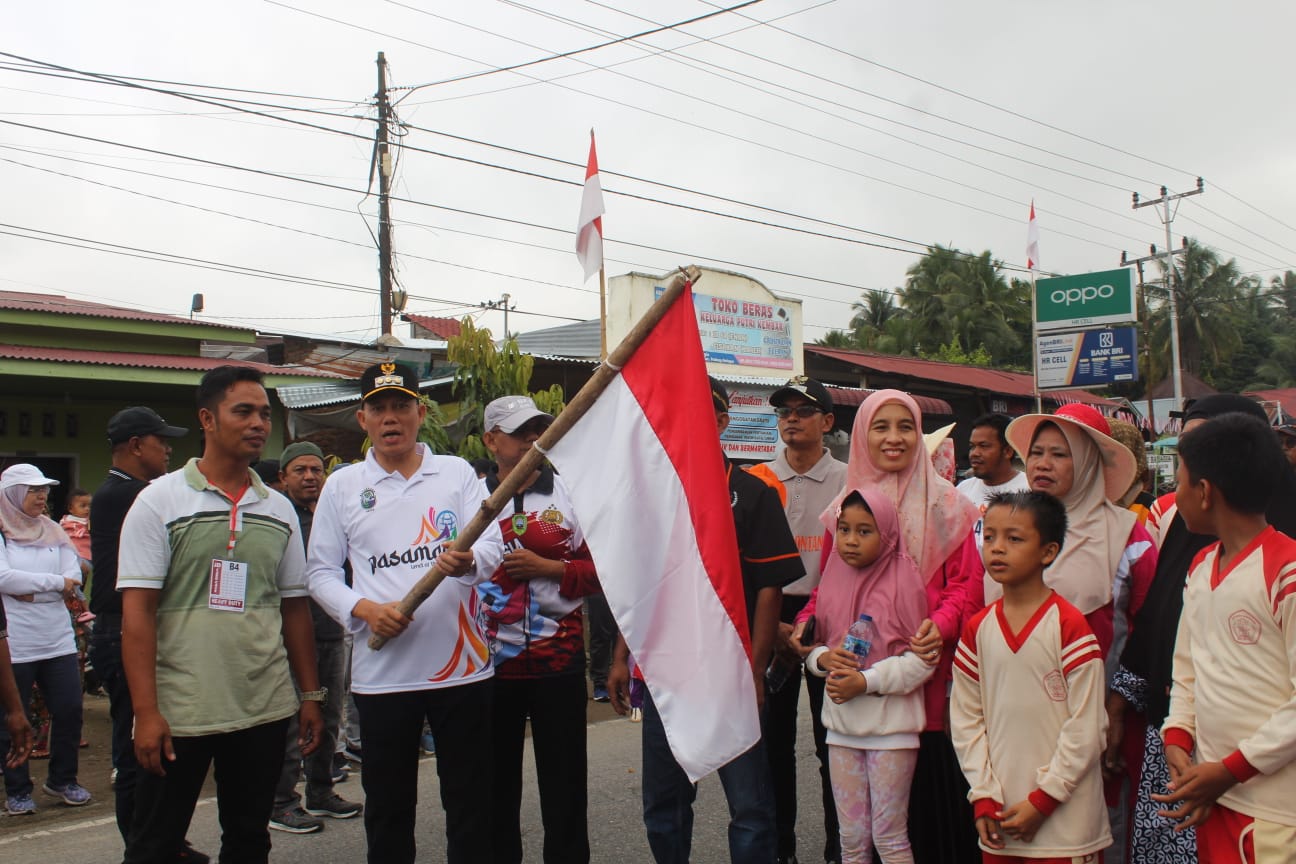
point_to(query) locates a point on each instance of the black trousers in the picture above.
(556, 707)
(390, 726)
(781, 746)
(247, 764)
(105, 656)
(602, 636)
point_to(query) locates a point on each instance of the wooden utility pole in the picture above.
(1167, 214)
(382, 158)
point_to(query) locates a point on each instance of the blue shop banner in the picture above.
(1090, 358)
(743, 332)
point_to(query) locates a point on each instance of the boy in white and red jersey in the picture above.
(1027, 715)
(1233, 701)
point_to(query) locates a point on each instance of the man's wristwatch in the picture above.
(320, 695)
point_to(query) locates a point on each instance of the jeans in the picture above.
(556, 708)
(105, 656)
(60, 682)
(668, 800)
(781, 744)
(391, 724)
(330, 659)
(602, 635)
(247, 763)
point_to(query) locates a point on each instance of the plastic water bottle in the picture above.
(859, 638)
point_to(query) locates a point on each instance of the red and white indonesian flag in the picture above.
(1032, 240)
(647, 479)
(589, 230)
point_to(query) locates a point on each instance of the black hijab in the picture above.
(1149, 653)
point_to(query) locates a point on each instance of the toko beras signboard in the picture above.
(1084, 301)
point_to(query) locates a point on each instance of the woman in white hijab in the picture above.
(38, 566)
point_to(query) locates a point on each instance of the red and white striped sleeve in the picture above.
(968, 723)
(1273, 745)
(1081, 739)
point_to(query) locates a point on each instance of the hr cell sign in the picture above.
(1087, 300)
(1086, 359)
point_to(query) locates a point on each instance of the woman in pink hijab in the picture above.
(888, 456)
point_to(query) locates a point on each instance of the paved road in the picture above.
(616, 826)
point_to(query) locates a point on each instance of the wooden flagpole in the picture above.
(575, 410)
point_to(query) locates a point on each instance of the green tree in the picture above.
(1206, 291)
(873, 312)
(485, 373)
(957, 298)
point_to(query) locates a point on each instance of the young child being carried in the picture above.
(873, 738)
(1027, 713)
(1233, 700)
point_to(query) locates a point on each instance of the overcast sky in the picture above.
(919, 122)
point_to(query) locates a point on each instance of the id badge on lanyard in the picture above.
(227, 580)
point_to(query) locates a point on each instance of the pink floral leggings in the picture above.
(872, 792)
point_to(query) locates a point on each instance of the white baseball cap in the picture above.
(509, 413)
(23, 474)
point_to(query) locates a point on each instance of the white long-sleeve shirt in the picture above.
(392, 529)
(41, 628)
(891, 711)
(1234, 692)
(1028, 721)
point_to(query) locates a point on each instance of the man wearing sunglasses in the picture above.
(808, 478)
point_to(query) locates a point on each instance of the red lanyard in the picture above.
(234, 502)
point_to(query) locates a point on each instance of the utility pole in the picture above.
(503, 304)
(1167, 214)
(1147, 320)
(382, 158)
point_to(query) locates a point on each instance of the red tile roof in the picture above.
(441, 328)
(957, 374)
(853, 396)
(148, 361)
(57, 304)
(1285, 397)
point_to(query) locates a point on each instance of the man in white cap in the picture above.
(534, 622)
(393, 517)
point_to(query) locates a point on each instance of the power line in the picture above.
(617, 41)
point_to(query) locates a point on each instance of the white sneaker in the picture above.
(636, 715)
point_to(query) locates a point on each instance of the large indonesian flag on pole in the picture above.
(647, 477)
(589, 230)
(1032, 240)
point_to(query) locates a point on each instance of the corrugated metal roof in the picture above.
(59, 305)
(567, 340)
(146, 361)
(337, 392)
(442, 328)
(959, 375)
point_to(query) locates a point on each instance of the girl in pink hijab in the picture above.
(888, 456)
(875, 710)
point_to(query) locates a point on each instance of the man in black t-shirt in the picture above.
(140, 453)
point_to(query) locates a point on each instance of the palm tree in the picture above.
(1204, 290)
(872, 312)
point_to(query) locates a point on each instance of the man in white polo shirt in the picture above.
(214, 610)
(991, 457)
(393, 517)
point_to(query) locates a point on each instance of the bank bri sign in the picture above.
(1084, 301)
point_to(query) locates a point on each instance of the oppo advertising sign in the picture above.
(1087, 300)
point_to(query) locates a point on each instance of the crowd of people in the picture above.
(1045, 664)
